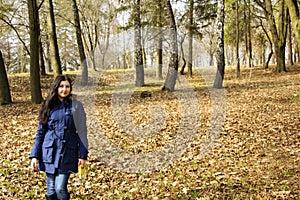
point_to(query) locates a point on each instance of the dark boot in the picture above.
(51, 197)
(65, 198)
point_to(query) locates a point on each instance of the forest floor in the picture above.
(255, 155)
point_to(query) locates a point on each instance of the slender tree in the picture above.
(53, 45)
(41, 50)
(98, 26)
(294, 13)
(172, 74)
(41, 57)
(248, 34)
(238, 68)
(138, 52)
(159, 39)
(296, 54)
(35, 85)
(220, 57)
(5, 96)
(210, 44)
(84, 79)
(289, 43)
(181, 40)
(190, 38)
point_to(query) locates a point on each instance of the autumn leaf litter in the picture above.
(255, 156)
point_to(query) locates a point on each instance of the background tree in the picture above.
(13, 25)
(294, 13)
(54, 50)
(172, 74)
(238, 67)
(159, 39)
(41, 57)
(190, 37)
(100, 22)
(97, 24)
(41, 51)
(278, 30)
(266, 64)
(5, 96)
(218, 83)
(181, 40)
(35, 85)
(83, 62)
(209, 42)
(138, 52)
(248, 35)
(199, 15)
(289, 42)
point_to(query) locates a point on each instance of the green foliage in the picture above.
(296, 98)
(205, 10)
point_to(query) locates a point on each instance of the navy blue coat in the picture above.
(60, 144)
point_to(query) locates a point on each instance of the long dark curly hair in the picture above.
(52, 98)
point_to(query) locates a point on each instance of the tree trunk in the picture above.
(269, 59)
(238, 68)
(296, 55)
(5, 96)
(83, 62)
(280, 58)
(54, 51)
(173, 65)
(144, 53)
(35, 85)
(282, 31)
(289, 43)
(266, 64)
(249, 35)
(295, 17)
(218, 83)
(182, 54)
(21, 59)
(47, 57)
(105, 49)
(191, 33)
(159, 58)
(263, 54)
(42, 62)
(138, 52)
(278, 34)
(159, 52)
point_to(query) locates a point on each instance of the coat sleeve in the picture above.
(36, 149)
(81, 127)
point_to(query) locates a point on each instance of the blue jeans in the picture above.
(57, 184)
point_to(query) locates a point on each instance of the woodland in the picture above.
(186, 99)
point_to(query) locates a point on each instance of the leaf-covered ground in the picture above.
(256, 155)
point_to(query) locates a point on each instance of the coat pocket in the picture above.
(71, 155)
(48, 151)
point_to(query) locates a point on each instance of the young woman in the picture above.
(61, 140)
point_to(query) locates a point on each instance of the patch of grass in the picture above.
(296, 99)
(289, 173)
(106, 89)
(195, 193)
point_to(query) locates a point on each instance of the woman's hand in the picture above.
(34, 164)
(81, 162)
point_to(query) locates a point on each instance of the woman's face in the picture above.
(64, 90)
